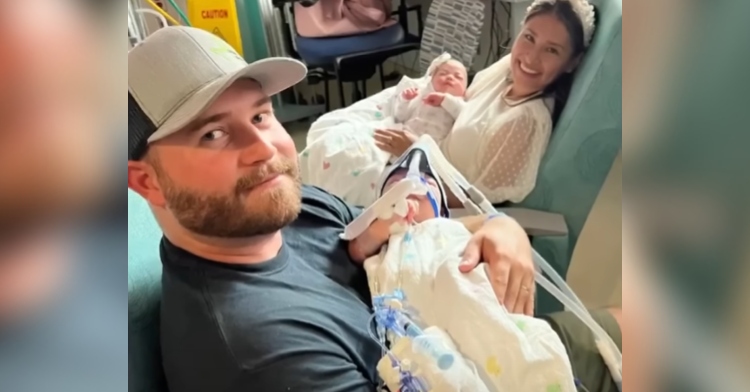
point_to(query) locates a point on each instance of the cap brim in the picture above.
(273, 74)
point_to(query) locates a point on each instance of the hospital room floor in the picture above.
(596, 271)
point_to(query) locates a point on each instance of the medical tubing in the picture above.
(473, 208)
(408, 381)
(163, 13)
(373, 320)
(407, 328)
(450, 177)
(479, 199)
(179, 12)
(582, 314)
(484, 206)
(564, 294)
(556, 278)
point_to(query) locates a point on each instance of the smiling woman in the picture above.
(499, 139)
(548, 50)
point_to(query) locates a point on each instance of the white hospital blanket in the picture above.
(341, 156)
(345, 162)
(510, 352)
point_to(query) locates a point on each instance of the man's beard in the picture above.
(232, 215)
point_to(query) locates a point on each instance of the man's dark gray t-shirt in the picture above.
(298, 322)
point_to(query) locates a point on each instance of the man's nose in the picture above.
(534, 58)
(259, 148)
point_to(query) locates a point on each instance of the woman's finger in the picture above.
(382, 139)
(386, 132)
(384, 147)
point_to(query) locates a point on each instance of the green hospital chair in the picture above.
(581, 152)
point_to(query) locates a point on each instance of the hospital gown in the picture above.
(505, 352)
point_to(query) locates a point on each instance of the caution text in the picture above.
(215, 14)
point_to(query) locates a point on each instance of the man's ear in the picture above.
(143, 181)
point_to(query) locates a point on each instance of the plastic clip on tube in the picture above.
(424, 344)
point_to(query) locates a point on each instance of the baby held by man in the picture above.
(442, 329)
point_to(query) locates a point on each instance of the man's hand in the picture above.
(394, 142)
(505, 247)
(435, 99)
(409, 94)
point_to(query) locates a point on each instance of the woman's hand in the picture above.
(394, 142)
(505, 247)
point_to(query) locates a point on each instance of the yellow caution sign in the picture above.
(218, 17)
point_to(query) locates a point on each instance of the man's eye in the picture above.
(214, 135)
(260, 118)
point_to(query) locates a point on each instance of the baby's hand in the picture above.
(410, 94)
(381, 227)
(371, 240)
(434, 99)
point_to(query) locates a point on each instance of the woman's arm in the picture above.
(511, 157)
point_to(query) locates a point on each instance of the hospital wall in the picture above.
(596, 268)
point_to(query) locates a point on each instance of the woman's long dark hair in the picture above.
(563, 10)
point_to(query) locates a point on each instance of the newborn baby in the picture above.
(466, 340)
(431, 110)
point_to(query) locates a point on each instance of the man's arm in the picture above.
(370, 242)
(475, 222)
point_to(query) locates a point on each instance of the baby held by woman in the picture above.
(425, 110)
(444, 330)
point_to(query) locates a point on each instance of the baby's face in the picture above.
(450, 78)
(425, 207)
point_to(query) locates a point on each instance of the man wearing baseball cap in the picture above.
(258, 291)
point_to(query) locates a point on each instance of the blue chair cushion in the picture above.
(317, 52)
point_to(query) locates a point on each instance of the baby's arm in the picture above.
(368, 243)
(371, 240)
(406, 91)
(453, 105)
(402, 107)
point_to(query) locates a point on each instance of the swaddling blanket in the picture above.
(506, 352)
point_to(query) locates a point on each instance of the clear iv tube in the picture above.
(452, 178)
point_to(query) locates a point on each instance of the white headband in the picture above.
(440, 60)
(585, 12)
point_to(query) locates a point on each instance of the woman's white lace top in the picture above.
(498, 144)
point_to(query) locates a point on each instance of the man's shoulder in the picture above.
(319, 203)
(310, 192)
